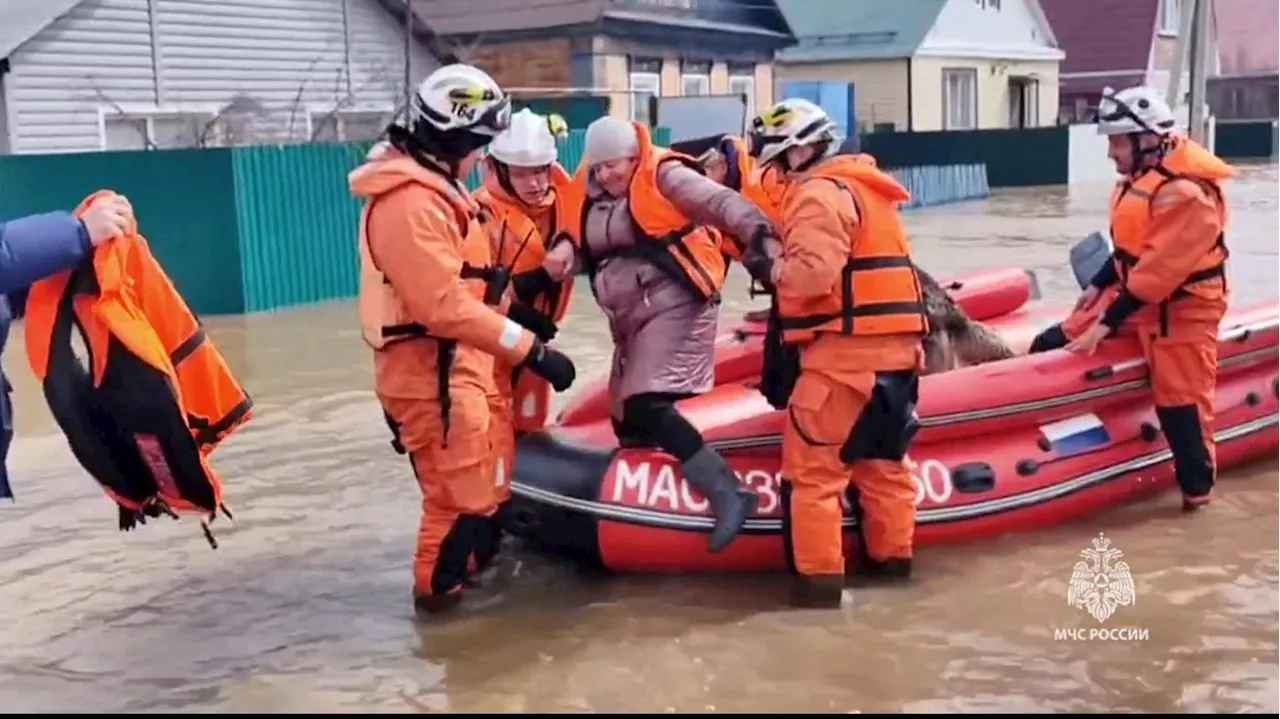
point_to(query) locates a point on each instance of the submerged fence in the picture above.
(261, 228)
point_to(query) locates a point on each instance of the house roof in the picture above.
(1102, 36)
(24, 18)
(467, 17)
(1246, 35)
(464, 17)
(834, 30)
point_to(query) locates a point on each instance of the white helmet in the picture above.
(1134, 109)
(790, 123)
(462, 97)
(528, 142)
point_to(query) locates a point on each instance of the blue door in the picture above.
(836, 98)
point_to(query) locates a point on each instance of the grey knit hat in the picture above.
(610, 138)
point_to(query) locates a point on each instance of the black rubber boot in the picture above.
(427, 606)
(732, 502)
(817, 592)
(867, 572)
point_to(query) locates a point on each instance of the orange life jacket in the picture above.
(687, 253)
(745, 178)
(1131, 219)
(505, 219)
(384, 318)
(879, 292)
(157, 396)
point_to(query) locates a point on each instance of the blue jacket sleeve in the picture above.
(34, 247)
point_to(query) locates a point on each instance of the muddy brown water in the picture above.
(304, 608)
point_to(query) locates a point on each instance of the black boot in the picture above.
(817, 592)
(732, 502)
(867, 571)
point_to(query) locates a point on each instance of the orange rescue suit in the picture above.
(848, 296)
(518, 236)
(688, 253)
(1167, 283)
(157, 397)
(424, 260)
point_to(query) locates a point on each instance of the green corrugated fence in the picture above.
(262, 228)
(239, 230)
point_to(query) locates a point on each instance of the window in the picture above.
(695, 78)
(987, 4)
(744, 85)
(1170, 16)
(959, 99)
(645, 84)
(349, 125)
(160, 130)
(644, 87)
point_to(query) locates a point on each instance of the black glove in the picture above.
(756, 262)
(551, 365)
(760, 267)
(533, 320)
(528, 285)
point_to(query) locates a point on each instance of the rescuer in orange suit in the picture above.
(1166, 281)
(427, 308)
(848, 299)
(521, 183)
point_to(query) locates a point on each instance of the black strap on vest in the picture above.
(495, 279)
(848, 313)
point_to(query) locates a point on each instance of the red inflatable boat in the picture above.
(1008, 446)
(999, 297)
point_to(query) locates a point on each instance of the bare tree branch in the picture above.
(302, 89)
(346, 102)
(103, 99)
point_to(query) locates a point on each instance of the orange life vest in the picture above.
(879, 292)
(687, 253)
(1131, 218)
(384, 318)
(745, 178)
(157, 396)
(518, 244)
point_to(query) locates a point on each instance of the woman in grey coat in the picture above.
(663, 335)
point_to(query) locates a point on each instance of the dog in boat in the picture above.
(955, 340)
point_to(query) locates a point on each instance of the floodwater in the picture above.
(305, 607)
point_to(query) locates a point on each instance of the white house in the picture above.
(925, 65)
(80, 75)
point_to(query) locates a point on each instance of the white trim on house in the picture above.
(976, 52)
(150, 113)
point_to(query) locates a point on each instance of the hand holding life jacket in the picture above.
(158, 396)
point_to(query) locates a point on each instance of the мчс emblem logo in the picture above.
(1101, 581)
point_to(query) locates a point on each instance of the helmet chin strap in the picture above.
(1142, 154)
